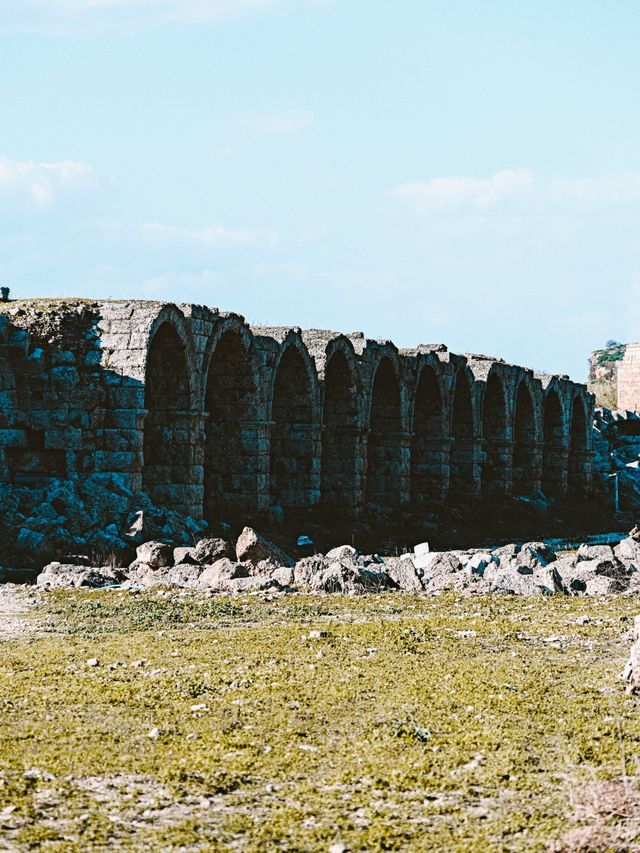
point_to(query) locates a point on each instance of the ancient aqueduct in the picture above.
(210, 416)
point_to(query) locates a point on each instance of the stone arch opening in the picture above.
(167, 442)
(553, 461)
(340, 436)
(524, 443)
(292, 438)
(494, 427)
(230, 455)
(384, 452)
(462, 451)
(428, 433)
(577, 446)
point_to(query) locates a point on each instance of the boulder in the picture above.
(67, 576)
(628, 550)
(603, 585)
(185, 575)
(208, 551)
(252, 547)
(510, 550)
(507, 581)
(343, 552)
(403, 573)
(155, 554)
(183, 554)
(535, 555)
(213, 577)
(283, 575)
(477, 563)
(341, 577)
(306, 568)
(595, 552)
(250, 584)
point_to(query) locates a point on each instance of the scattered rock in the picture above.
(67, 576)
(252, 547)
(155, 554)
(208, 551)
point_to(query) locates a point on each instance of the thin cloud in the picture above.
(477, 195)
(460, 192)
(276, 124)
(88, 16)
(39, 183)
(214, 236)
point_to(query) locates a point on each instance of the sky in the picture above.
(465, 172)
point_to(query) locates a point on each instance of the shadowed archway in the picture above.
(494, 429)
(462, 451)
(428, 434)
(524, 441)
(230, 456)
(292, 437)
(577, 447)
(340, 436)
(167, 444)
(554, 454)
(384, 453)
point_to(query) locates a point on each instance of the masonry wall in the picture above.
(212, 417)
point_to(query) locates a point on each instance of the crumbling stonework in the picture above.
(209, 416)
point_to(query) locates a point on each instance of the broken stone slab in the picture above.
(185, 575)
(477, 563)
(68, 576)
(252, 547)
(155, 554)
(284, 575)
(322, 575)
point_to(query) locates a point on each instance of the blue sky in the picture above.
(464, 172)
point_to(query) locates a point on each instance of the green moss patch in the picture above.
(225, 723)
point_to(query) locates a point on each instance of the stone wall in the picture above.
(212, 417)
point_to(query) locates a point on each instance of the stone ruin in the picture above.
(208, 416)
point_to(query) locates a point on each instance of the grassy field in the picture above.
(409, 723)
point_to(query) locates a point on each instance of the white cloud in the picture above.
(40, 182)
(80, 16)
(214, 236)
(456, 192)
(475, 195)
(276, 124)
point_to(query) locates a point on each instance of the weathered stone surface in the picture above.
(208, 551)
(65, 576)
(595, 552)
(252, 547)
(221, 571)
(155, 554)
(184, 554)
(342, 552)
(404, 574)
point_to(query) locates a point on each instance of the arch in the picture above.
(167, 444)
(524, 443)
(230, 458)
(293, 442)
(463, 433)
(577, 446)
(427, 478)
(553, 461)
(340, 436)
(384, 453)
(494, 430)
